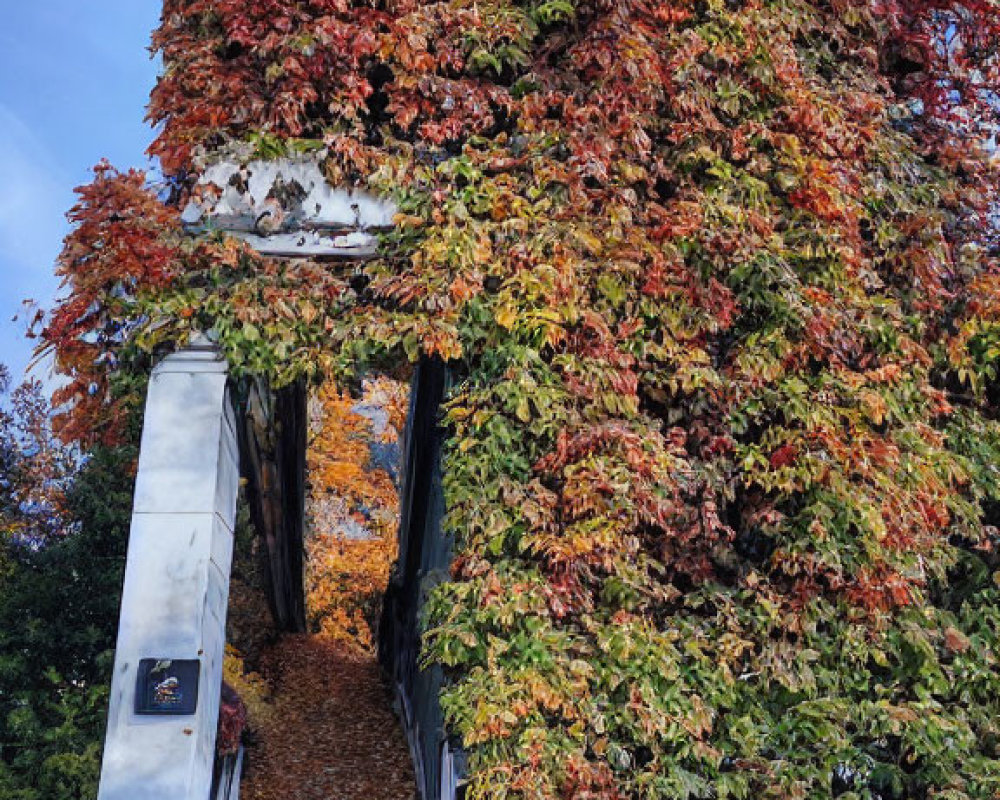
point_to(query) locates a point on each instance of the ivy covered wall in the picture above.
(718, 284)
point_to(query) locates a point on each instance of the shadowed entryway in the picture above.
(321, 720)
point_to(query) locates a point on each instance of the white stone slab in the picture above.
(177, 571)
(285, 207)
(175, 469)
(239, 190)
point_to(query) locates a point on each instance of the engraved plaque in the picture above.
(167, 687)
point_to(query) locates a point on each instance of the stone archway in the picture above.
(173, 607)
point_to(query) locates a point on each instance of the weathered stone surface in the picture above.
(285, 207)
(176, 580)
(176, 471)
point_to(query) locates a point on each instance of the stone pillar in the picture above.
(160, 743)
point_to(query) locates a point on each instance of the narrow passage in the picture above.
(330, 733)
(321, 719)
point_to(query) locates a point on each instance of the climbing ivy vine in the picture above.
(718, 280)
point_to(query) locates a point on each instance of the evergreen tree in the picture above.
(59, 596)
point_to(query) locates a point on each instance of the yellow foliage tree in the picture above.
(353, 509)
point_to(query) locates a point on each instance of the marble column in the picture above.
(160, 743)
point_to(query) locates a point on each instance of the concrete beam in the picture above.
(286, 208)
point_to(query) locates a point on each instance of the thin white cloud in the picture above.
(34, 197)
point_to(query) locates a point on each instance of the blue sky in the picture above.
(74, 82)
